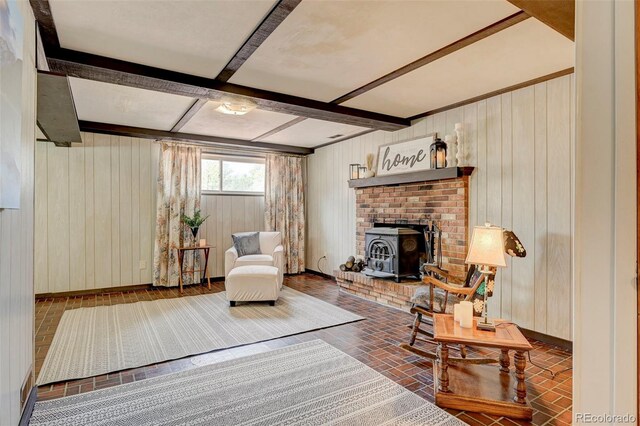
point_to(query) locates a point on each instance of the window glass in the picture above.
(210, 175)
(242, 177)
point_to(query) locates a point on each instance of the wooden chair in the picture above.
(448, 290)
(445, 291)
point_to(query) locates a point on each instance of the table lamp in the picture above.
(486, 250)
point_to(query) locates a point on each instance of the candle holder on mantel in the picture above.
(353, 171)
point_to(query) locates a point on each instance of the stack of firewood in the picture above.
(352, 265)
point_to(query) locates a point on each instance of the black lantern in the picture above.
(438, 154)
(353, 171)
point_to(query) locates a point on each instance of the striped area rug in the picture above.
(308, 384)
(93, 341)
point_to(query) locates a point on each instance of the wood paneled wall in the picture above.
(96, 210)
(16, 252)
(95, 213)
(521, 144)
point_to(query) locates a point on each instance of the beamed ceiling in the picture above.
(319, 71)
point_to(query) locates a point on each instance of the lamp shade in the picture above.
(487, 247)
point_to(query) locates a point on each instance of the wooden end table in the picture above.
(181, 251)
(485, 389)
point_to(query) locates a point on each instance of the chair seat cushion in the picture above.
(254, 259)
(258, 271)
(422, 297)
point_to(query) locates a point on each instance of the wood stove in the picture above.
(393, 252)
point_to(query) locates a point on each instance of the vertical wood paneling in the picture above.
(540, 251)
(494, 184)
(147, 211)
(41, 258)
(77, 219)
(523, 278)
(559, 206)
(115, 210)
(17, 247)
(102, 212)
(506, 140)
(90, 221)
(58, 217)
(124, 210)
(507, 200)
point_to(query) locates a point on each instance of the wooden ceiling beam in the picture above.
(558, 14)
(212, 141)
(114, 71)
(42, 13)
(268, 25)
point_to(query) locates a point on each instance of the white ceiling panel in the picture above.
(325, 49)
(210, 122)
(111, 103)
(310, 133)
(194, 37)
(520, 53)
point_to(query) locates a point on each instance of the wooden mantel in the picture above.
(422, 176)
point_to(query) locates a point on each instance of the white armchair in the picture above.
(272, 254)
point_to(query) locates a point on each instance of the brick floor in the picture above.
(373, 341)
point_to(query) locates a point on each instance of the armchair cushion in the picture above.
(254, 259)
(247, 243)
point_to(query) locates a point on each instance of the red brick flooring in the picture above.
(373, 341)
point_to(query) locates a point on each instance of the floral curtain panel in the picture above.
(284, 207)
(178, 194)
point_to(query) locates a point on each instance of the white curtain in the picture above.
(178, 194)
(284, 207)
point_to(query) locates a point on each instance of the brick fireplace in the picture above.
(445, 201)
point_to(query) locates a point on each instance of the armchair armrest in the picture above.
(278, 262)
(230, 257)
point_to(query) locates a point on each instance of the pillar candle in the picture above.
(456, 312)
(203, 242)
(466, 314)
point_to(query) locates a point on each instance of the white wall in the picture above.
(96, 209)
(16, 253)
(521, 144)
(605, 325)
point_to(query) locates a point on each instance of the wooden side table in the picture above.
(481, 388)
(181, 251)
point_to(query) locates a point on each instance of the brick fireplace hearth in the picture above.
(444, 201)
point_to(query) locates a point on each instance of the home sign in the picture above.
(404, 157)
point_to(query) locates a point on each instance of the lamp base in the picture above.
(486, 325)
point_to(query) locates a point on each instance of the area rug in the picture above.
(311, 383)
(98, 340)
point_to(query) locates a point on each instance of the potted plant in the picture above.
(194, 222)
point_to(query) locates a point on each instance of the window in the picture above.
(235, 175)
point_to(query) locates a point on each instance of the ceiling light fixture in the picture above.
(236, 107)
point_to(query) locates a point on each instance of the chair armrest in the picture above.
(449, 287)
(444, 274)
(278, 262)
(230, 257)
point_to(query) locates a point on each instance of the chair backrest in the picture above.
(269, 241)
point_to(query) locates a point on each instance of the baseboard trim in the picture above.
(28, 408)
(567, 345)
(321, 274)
(109, 290)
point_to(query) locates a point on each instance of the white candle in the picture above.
(203, 242)
(456, 312)
(466, 314)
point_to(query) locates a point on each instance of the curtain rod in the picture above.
(208, 149)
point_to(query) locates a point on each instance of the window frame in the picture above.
(233, 159)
